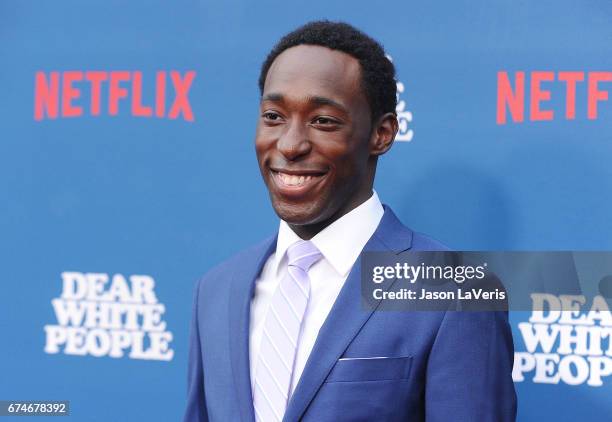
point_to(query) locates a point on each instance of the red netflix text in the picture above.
(118, 89)
(513, 100)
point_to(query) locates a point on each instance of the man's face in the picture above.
(312, 139)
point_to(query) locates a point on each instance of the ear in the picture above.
(383, 134)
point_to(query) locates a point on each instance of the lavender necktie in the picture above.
(281, 334)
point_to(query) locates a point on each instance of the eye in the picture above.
(324, 121)
(271, 116)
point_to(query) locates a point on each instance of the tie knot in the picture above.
(303, 254)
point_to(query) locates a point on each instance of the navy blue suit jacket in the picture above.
(440, 366)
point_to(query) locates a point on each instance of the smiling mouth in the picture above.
(296, 183)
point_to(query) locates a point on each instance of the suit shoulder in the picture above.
(424, 242)
(392, 230)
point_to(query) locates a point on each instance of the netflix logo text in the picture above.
(63, 94)
(515, 92)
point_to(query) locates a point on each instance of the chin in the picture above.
(300, 214)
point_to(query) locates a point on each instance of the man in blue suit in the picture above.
(279, 331)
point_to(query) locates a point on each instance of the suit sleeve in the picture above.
(196, 399)
(469, 371)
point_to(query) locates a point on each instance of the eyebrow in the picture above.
(314, 99)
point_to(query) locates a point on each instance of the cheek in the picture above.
(336, 147)
(345, 156)
(266, 140)
(262, 146)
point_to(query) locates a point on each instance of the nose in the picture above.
(294, 142)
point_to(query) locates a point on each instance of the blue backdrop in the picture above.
(167, 197)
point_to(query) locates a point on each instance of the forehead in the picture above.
(309, 70)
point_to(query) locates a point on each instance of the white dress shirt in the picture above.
(340, 243)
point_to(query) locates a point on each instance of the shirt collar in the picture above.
(342, 241)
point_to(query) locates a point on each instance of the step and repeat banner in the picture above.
(128, 169)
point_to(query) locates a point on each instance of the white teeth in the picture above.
(293, 180)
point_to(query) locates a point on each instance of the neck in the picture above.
(308, 231)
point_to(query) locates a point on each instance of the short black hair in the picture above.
(377, 71)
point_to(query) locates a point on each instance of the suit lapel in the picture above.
(243, 283)
(346, 317)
